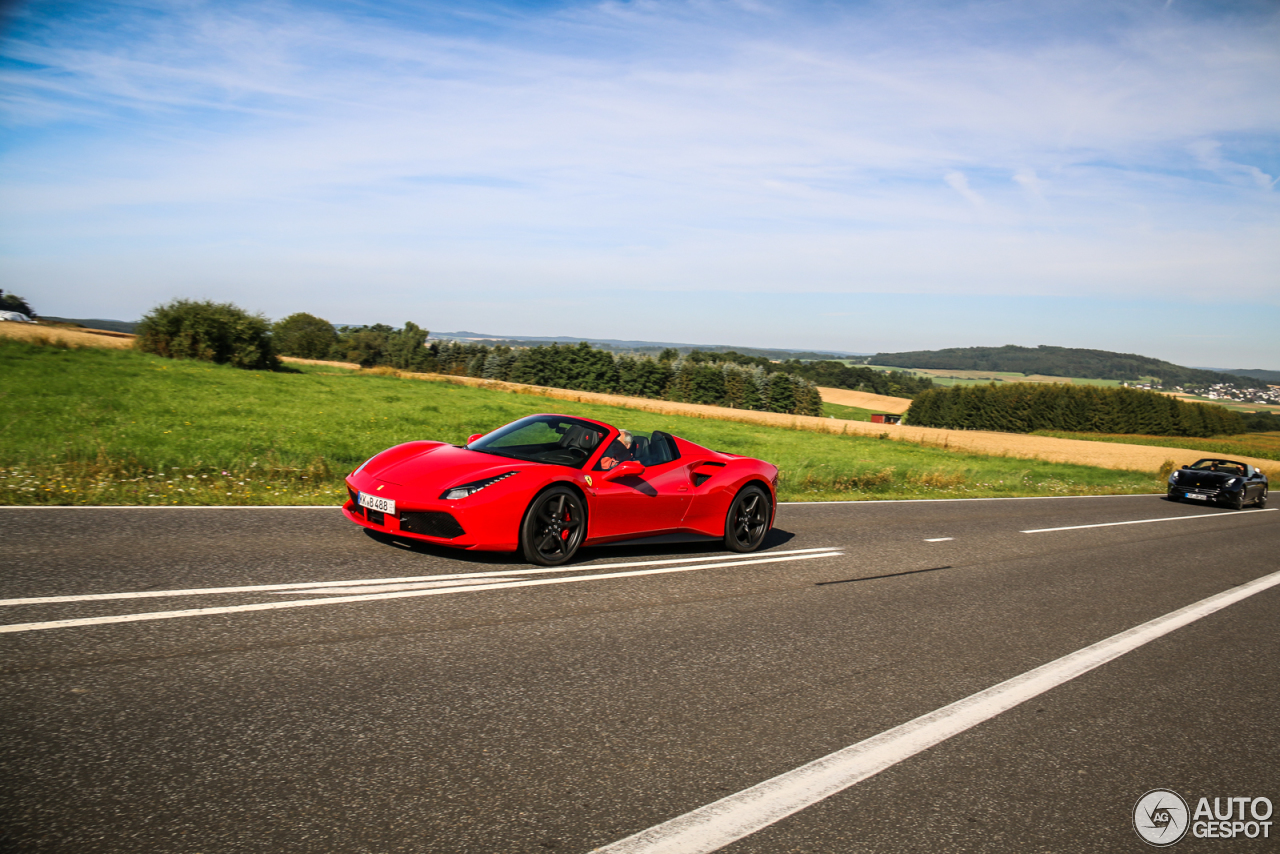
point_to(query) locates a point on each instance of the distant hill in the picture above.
(651, 347)
(1062, 362)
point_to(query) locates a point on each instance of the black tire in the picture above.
(1171, 496)
(1261, 503)
(553, 527)
(1237, 503)
(748, 520)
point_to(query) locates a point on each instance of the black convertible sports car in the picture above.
(1226, 482)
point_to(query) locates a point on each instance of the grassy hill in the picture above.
(96, 426)
(1062, 362)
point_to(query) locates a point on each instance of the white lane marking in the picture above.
(729, 819)
(311, 585)
(303, 603)
(940, 539)
(1142, 521)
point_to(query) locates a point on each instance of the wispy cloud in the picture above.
(958, 182)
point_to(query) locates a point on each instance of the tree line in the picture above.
(581, 367)
(1026, 407)
(223, 333)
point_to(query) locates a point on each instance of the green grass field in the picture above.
(118, 427)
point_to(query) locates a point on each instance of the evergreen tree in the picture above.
(782, 393)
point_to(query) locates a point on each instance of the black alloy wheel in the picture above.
(748, 520)
(1237, 503)
(553, 527)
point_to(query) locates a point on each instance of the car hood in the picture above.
(444, 466)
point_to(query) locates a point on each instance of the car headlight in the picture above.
(1234, 482)
(475, 486)
(1173, 478)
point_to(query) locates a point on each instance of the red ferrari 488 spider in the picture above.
(547, 484)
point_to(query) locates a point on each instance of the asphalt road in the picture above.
(521, 711)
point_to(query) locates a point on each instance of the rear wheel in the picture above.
(748, 520)
(553, 527)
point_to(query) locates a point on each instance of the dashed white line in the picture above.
(399, 594)
(725, 821)
(940, 540)
(1140, 522)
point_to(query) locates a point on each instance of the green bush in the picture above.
(209, 332)
(303, 335)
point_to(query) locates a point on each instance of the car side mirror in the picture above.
(473, 437)
(624, 469)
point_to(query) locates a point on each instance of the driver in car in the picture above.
(619, 450)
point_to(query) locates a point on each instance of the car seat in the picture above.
(578, 436)
(640, 449)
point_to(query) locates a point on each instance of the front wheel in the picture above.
(553, 527)
(1261, 503)
(1173, 495)
(748, 520)
(1237, 503)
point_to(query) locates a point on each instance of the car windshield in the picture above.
(555, 439)
(1224, 466)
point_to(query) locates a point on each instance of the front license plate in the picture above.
(373, 502)
(1197, 497)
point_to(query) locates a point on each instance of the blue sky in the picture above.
(853, 176)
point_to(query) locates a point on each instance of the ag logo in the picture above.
(1161, 817)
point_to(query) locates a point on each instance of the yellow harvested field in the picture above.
(295, 360)
(865, 400)
(1040, 378)
(104, 338)
(71, 336)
